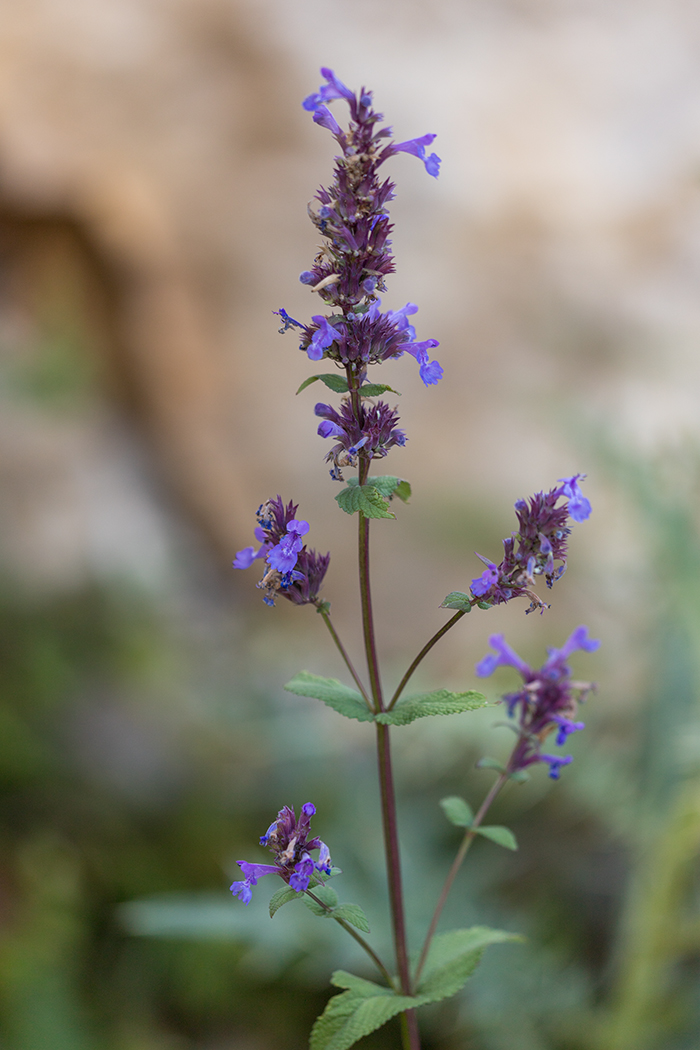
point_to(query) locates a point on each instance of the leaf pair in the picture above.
(349, 702)
(460, 813)
(351, 913)
(365, 1006)
(371, 498)
(339, 385)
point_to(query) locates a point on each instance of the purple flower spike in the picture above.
(288, 839)
(532, 551)
(547, 702)
(351, 215)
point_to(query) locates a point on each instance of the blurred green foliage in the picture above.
(125, 804)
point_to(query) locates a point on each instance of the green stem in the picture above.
(360, 940)
(346, 658)
(456, 865)
(424, 652)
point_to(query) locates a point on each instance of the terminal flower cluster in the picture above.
(288, 838)
(376, 432)
(352, 218)
(541, 540)
(547, 702)
(293, 571)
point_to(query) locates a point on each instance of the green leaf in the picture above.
(337, 383)
(341, 698)
(484, 605)
(387, 484)
(497, 833)
(519, 776)
(282, 896)
(375, 389)
(365, 498)
(403, 490)
(457, 811)
(440, 702)
(353, 914)
(327, 895)
(457, 600)
(361, 1009)
(452, 959)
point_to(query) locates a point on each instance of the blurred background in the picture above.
(155, 166)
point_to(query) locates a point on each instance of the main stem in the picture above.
(409, 1025)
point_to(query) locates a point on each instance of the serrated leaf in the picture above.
(341, 698)
(452, 959)
(327, 895)
(403, 490)
(457, 600)
(365, 498)
(282, 896)
(497, 833)
(375, 389)
(440, 702)
(353, 914)
(337, 383)
(365, 1006)
(355, 1013)
(457, 811)
(387, 484)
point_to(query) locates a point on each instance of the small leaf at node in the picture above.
(341, 698)
(497, 833)
(489, 763)
(375, 389)
(337, 383)
(457, 811)
(323, 607)
(353, 914)
(441, 702)
(403, 490)
(484, 605)
(457, 600)
(282, 896)
(327, 895)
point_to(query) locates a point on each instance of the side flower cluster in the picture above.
(292, 571)
(288, 839)
(548, 701)
(351, 217)
(540, 542)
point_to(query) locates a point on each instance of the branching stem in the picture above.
(359, 938)
(456, 865)
(423, 653)
(346, 658)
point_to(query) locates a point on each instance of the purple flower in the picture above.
(283, 556)
(579, 506)
(292, 571)
(546, 703)
(288, 839)
(322, 338)
(417, 148)
(540, 542)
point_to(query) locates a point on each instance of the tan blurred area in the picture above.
(154, 170)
